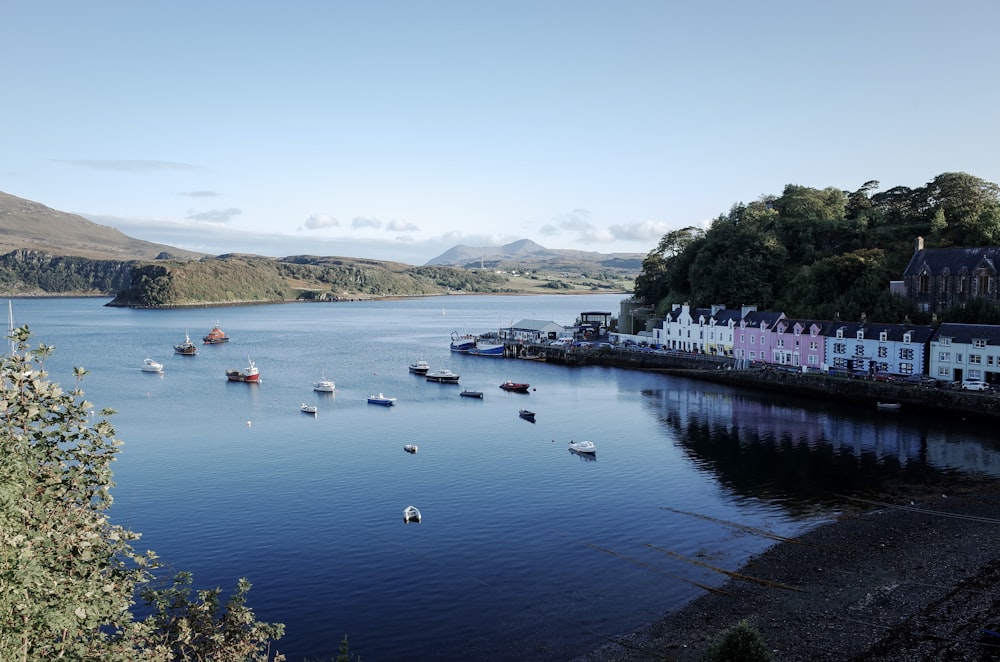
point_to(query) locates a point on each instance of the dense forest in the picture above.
(822, 253)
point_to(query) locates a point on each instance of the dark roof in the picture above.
(872, 330)
(966, 333)
(954, 260)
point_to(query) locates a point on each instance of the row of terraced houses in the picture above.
(948, 352)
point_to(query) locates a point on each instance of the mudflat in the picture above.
(913, 573)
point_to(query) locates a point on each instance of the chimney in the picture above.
(920, 243)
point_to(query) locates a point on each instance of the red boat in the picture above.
(248, 374)
(216, 336)
(517, 387)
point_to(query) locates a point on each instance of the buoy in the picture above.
(249, 423)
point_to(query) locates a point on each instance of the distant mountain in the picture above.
(27, 225)
(526, 254)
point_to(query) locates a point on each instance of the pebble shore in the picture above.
(912, 574)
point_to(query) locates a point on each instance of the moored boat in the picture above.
(186, 348)
(888, 405)
(411, 514)
(586, 446)
(308, 409)
(420, 367)
(472, 394)
(381, 400)
(516, 387)
(249, 374)
(462, 343)
(487, 350)
(527, 415)
(149, 365)
(410, 448)
(215, 336)
(324, 386)
(443, 376)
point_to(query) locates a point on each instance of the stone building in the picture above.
(939, 279)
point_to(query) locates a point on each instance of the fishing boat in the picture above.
(149, 365)
(250, 374)
(186, 348)
(496, 351)
(527, 415)
(515, 387)
(462, 343)
(443, 376)
(324, 386)
(472, 394)
(308, 409)
(381, 400)
(586, 447)
(410, 448)
(420, 367)
(411, 514)
(216, 336)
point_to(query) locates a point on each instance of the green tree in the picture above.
(662, 269)
(68, 576)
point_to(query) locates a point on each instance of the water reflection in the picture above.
(794, 449)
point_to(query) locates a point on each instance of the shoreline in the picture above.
(912, 573)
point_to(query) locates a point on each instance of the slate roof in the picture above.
(966, 333)
(952, 259)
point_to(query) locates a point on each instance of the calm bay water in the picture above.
(526, 551)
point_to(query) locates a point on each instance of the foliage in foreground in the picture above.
(740, 643)
(68, 576)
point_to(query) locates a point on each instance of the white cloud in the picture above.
(649, 231)
(214, 215)
(128, 165)
(401, 226)
(318, 221)
(199, 194)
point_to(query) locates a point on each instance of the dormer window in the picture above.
(861, 334)
(944, 341)
(883, 336)
(979, 343)
(840, 333)
(906, 337)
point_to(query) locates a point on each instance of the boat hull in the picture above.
(239, 376)
(515, 387)
(472, 394)
(496, 351)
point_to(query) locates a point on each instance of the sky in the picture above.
(396, 130)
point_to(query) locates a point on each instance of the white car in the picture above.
(975, 385)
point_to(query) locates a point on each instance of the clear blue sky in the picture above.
(395, 130)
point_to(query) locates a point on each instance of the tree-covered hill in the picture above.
(819, 253)
(234, 278)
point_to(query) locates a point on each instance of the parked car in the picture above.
(975, 385)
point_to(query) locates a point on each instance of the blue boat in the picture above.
(460, 343)
(487, 350)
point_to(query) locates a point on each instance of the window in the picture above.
(944, 372)
(883, 336)
(924, 283)
(839, 348)
(753, 355)
(883, 352)
(813, 345)
(989, 360)
(781, 342)
(983, 281)
(742, 338)
(840, 333)
(906, 353)
(975, 358)
(944, 342)
(860, 335)
(859, 350)
(840, 363)
(752, 338)
(906, 368)
(813, 359)
(958, 358)
(944, 356)
(906, 337)
(978, 343)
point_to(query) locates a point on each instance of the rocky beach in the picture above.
(909, 573)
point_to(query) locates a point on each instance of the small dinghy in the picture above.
(410, 448)
(308, 409)
(411, 514)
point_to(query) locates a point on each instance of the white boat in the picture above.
(583, 447)
(410, 448)
(309, 409)
(381, 400)
(324, 386)
(411, 514)
(420, 367)
(888, 405)
(149, 365)
(444, 376)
